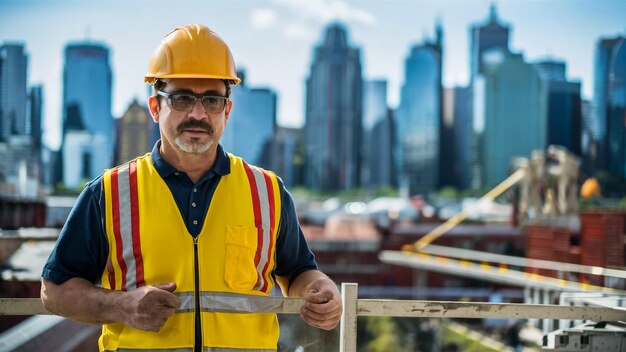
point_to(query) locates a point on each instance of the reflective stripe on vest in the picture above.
(263, 204)
(238, 303)
(126, 227)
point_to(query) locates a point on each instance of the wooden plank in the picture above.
(443, 309)
(21, 306)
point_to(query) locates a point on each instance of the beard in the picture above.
(194, 145)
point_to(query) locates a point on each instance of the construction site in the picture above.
(546, 276)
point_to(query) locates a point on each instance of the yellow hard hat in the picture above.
(192, 51)
(590, 188)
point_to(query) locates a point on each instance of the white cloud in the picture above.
(263, 18)
(304, 16)
(297, 31)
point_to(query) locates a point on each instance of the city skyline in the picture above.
(280, 36)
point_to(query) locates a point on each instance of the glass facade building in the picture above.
(608, 110)
(252, 123)
(564, 106)
(510, 100)
(377, 162)
(87, 87)
(456, 138)
(485, 36)
(13, 91)
(418, 120)
(333, 115)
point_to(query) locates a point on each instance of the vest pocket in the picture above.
(240, 272)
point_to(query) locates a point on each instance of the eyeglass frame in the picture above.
(197, 96)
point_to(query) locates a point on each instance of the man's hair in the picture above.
(161, 82)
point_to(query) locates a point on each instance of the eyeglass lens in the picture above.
(186, 102)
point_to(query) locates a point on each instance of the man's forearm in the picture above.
(78, 299)
(146, 308)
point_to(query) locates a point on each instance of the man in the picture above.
(151, 243)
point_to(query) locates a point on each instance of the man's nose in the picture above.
(197, 111)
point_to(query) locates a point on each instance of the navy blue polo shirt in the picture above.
(82, 247)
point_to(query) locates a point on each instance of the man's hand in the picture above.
(323, 304)
(148, 307)
(145, 308)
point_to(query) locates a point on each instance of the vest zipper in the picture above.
(198, 310)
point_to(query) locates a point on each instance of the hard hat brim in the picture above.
(151, 79)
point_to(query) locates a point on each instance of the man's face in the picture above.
(195, 131)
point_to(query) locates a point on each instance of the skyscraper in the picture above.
(133, 133)
(88, 141)
(509, 114)
(13, 91)
(418, 122)
(608, 106)
(333, 115)
(377, 161)
(564, 106)
(286, 158)
(491, 34)
(456, 139)
(252, 122)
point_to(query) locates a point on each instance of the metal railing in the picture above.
(354, 307)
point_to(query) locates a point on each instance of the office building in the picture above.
(488, 35)
(564, 106)
(13, 91)
(88, 129)
(419, 118)
(510, 115)
(377, 161)
(609, 106)
(333, 114)
(252, 122)
(133, 133)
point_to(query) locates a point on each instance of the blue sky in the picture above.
(274, 39)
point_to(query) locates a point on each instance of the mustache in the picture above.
(196, 125)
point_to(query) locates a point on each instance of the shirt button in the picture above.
(195, 222)
(195, 190)
(176, 173)
(193, 205)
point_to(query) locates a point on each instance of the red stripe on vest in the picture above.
(258, 222)
(270, 199)
(116, 227)
(134, 211)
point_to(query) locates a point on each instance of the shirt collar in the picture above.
(221, 166)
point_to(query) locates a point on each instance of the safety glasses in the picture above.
(213, 104)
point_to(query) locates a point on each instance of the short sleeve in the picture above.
(293, 255)
(82, 248)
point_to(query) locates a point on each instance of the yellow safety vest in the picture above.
(149, 244)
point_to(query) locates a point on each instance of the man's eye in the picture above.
(211, 100)
(182, 98)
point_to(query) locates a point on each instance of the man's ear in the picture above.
(153, 104)
(229, 106)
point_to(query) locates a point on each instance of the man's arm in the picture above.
(146, 308)
(323, 301)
